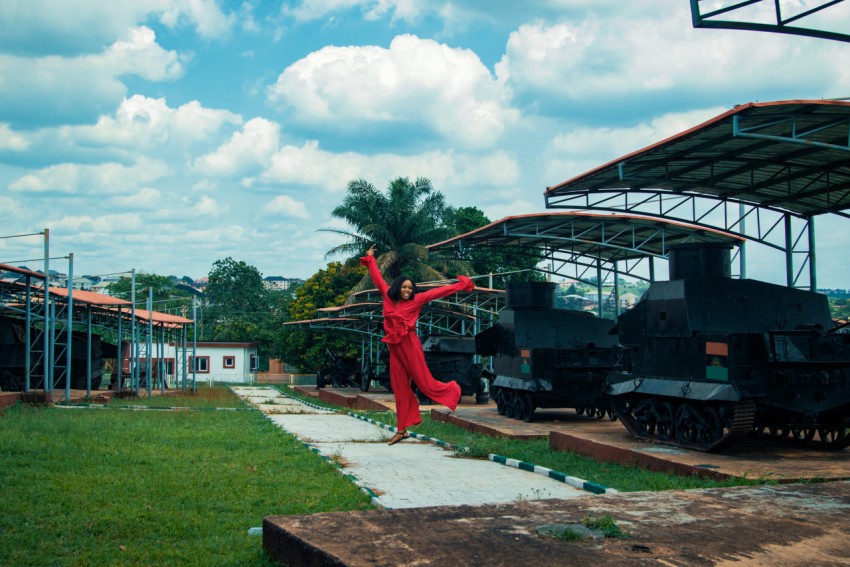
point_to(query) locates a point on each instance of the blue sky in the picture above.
(163, 135)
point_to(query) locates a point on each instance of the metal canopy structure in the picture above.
(709, 19)
(459, 314)
(762, 171)
(594, 245)
(26, 300)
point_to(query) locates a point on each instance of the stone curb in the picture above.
(554, 475)
(144, 408)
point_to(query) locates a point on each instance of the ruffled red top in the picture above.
(400, 317)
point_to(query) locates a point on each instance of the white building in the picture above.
(225, 362)
(214, 362)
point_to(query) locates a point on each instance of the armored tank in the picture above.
(712, 359)
(452, 358)
(545, 357)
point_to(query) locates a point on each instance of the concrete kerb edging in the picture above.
(146, 408)
(554, 475)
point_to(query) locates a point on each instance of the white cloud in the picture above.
(207, 17)
(106, 178)
(10, 140)
(142, 122)
(8, 206)
(416, 82)
(85, 83)
(146, 198)
(585, 148)
(309, 10)
(309, 165)
(514, 208)
(245, 152)
(287, 206)
(656, 52)
(48, 26)
(204, 206)
(118, 223)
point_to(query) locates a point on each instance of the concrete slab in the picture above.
(780, 526)
(414, 474)
(328, 427)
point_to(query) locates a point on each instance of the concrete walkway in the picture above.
(410, 474)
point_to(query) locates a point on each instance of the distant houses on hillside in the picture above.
(101, 284)
(279, 283)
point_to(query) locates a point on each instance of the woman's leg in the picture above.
(406, 404)
(445, 393)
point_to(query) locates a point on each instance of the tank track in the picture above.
(832, 438)
(735, 426)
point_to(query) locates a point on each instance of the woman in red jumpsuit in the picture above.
(407, 361)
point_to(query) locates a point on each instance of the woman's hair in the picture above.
(394, 292)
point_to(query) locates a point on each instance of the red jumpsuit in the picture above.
(407, 361)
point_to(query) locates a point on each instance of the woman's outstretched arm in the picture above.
(463, 284)
(369, 261)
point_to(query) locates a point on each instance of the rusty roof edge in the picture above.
(738, 109)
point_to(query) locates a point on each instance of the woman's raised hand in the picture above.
(371, 251)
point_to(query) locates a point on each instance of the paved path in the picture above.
(410, 474)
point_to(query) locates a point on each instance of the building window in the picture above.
(229, 362)
(255, 362)
(201, 364)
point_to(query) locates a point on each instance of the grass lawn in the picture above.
(124, 487)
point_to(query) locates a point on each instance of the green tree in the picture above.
(328, 287)
(502, 264)
(166, 297)
(235, 296)
(401, 222)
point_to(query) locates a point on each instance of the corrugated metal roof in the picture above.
(90, 297)
(788, 156)
(611, 237)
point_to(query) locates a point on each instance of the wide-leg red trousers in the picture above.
(407, 361)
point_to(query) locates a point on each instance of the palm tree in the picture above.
(401, 222)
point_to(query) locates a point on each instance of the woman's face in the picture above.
(406, 289)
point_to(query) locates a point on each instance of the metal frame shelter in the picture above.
(72, 308)
(709, 19)
(762, 171)
(601, 245)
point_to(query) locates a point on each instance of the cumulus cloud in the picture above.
(517, 207)
(653, 53)
(87, 83)
(416, 82)
(309, 10)
(146, 198)
(310, 165)
(10, 140)
(119, 223)
(287, 206)
(142, 122)
(106, 178)
(50, 27)
(585, 148)
(245, 152)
